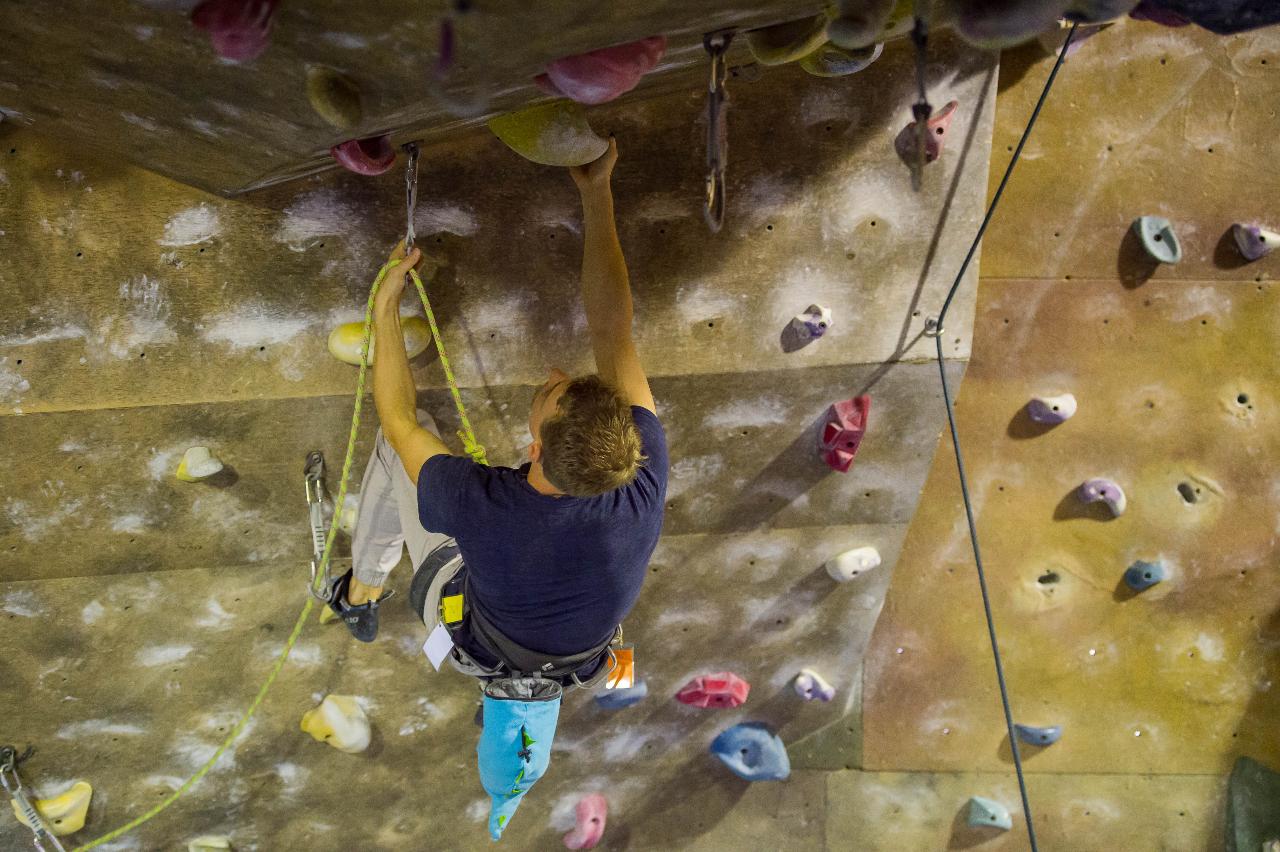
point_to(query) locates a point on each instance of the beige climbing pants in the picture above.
(387, 521)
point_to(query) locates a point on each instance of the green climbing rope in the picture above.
(473, 449)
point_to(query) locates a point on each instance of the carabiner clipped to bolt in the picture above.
(716, 44)
(410, 193)
(9, 760)
(317, 499)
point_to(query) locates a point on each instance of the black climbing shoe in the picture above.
(361, 620)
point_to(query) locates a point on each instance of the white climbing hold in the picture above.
(63, 814)
(812, 686)
(209, 843)
(339, 721)
(991, 814)
(346, 340)
(197, 464)
(852, 563)
(813, 323)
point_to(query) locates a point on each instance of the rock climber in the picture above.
(554, 551)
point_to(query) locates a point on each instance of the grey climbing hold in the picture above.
(1157, 238)
(1254, 241)
(1052, 409)
(1104, 491)
(1141, 576)
(991, 814)
(1253, 806)
(1038, 736)
(616, 699)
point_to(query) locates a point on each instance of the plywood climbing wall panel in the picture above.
(207, 300)
(1143, 120)
(1174, 377)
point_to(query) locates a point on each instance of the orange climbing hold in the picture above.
(602, 75)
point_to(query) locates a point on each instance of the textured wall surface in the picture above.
(1175, 371)
(146, 317)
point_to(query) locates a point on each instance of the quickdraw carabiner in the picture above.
(716, 44)
(317, 498)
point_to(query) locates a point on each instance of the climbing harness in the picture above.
(320, 572)
(41, 834)
(716, 44)
(933, 328)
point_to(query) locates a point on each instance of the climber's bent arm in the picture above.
(393, 390)
(606, 288)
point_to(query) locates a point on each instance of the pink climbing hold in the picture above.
(722, 689)
(591, 813)
(371, 156)
(239, 29)
(842, 432)
(602, 75)
(937, 124)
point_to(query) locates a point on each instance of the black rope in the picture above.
(936, 328)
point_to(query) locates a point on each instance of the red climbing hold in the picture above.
(239, 29)
(937, 124)
(371, 156)
(602, 75)
(722, 689)
(591, 813)
(842, 432)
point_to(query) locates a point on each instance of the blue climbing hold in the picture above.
(753, 752)
(1157, 238)
(1141, 576)
(616, 699)
(991, 814)
(1039, 736)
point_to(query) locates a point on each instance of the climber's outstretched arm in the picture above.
(393, 390)
(606, 289)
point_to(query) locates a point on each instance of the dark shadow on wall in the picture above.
(799, 466)
(1255, 736)
(1226, 254)
(1134, 266)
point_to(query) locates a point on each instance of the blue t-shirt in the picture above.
(554, 574)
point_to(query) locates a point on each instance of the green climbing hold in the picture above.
(1253, 806)
(553, 134)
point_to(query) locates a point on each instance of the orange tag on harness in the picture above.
(451, 609)
(624, 674)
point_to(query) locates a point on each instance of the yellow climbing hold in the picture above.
(197, 464)
(339, 721)
(334, 97)
(554, 134)
(63, 814)
(346, 340)
(209, 843)
(783, 43)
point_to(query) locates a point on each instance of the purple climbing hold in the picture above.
(602, 75)
(1052, 409)
(1153, 12)
(813, 323)
(1254, 241)
(372, 156)
(1104, 491)
(240, 30)
(812, 686)
(938, 123)
(753, 752)
(983, 23)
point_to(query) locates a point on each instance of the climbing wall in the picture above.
(1174, 370)
(143, 317)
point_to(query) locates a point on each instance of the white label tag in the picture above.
(438, 645)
